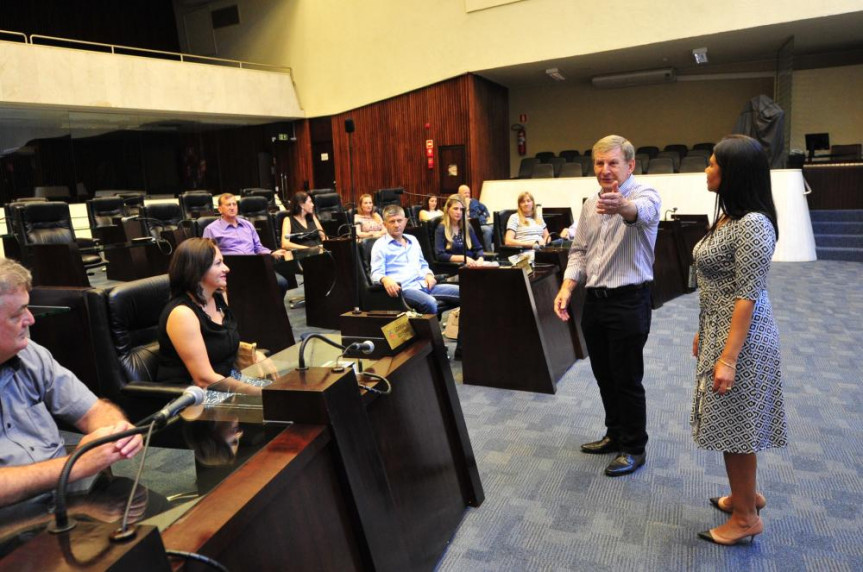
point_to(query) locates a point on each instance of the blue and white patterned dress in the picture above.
(732, 264)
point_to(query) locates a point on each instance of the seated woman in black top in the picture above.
(449, 241)
(298, 230)
(198, 336)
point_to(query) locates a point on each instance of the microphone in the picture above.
(366, 347)
(671, 210)
(192, 395)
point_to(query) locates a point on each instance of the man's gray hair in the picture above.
(612, 142)
(393, 210)
(13, 277)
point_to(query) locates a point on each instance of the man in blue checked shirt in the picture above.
(399, 265)
(612, 255)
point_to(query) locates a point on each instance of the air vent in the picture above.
(224, 17)
(647, 77)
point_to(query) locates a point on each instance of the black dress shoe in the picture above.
(624, 464)
(601, 447)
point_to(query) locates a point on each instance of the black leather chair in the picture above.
(705, 146)
(374, 296)
(201, 223)
(328, 205)
(648, 150)
(125, 325)
(256, 210)
(161, 220)
(544, 156)
(500, 219)
(50, 223)
(568, 154)
(425, 234)
(53, 193)
(133, 201)
(268, 194)
(681, 149)
(194, 204)
(384, 197)
(106, 216)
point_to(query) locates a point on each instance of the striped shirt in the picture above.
(530, 232)
(609, 252)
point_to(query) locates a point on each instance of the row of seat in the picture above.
(582, 166)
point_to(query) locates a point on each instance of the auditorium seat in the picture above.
(673, 155)
(705, 146)
(706, 153)
(543, 171)
(557, 163)
(201, 223)
(571, 170)
(568, 154)
(161, 217)
(586, 163)
(51, 223)
(256, 209)
(846, 152)
(681, 149)
(693, 164)
(525, 168)
(374, 296)
(648, 150)
(660, 166)
(544, 156)
(268, 194)
(500, 219)
(196, 203)
(53, 193)
(384, 197)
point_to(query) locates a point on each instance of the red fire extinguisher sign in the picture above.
(430, 153)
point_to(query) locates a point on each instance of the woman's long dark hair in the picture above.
(745, 180)
(427, 201)
(297, 202)
(192, 259)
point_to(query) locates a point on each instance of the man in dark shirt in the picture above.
(480, 212)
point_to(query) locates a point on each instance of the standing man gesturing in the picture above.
(612, 255)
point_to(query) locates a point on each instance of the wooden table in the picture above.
(511, 338)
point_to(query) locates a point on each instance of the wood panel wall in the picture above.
(388, 146)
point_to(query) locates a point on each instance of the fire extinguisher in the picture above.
(520, 138)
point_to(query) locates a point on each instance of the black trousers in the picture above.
(615, 331)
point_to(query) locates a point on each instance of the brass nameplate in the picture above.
(398, 332)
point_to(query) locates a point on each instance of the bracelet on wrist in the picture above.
(732, 365)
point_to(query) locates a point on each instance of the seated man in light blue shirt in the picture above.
(399, 265)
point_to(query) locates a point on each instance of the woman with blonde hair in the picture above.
(369, 223)
(525, 228)
(451, 243)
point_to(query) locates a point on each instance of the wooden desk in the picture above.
(330, 283)
(834, 186)
(511, 338)
(559, 257)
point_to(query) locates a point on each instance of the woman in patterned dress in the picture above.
(738, 407)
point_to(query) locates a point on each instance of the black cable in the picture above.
(195, 556)
(389, 385)
(301, 361)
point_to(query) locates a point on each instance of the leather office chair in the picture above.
(374, 296)
(660, 166)
(568, 154)
(544, 156)
(196, 203)
(693, 164)
(133, 201)
(256, 210)
(413, 214)
(846, 152)
(499, 230)
(328, 206)
(268, 194)
(51, 223)
(106, 215)
(161, 218)
(425, 234)
(54, 193)
(201, 223)
(384, 197)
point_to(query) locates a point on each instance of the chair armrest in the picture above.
(153, 389)
(87, 242)
(489, 255)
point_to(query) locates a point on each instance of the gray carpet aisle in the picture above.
(549, 507)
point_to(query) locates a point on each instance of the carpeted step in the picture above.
(834, 253)
(839, 240)
(836, 216)
(837, 227)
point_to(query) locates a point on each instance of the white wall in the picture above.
(827, 100)
(346, 54)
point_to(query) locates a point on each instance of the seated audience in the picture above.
(398, 265)
(525, 228)
(36, 392)
(198, 334)
(235, 235)
(451, 245)
(480, 212)
(430, 210)
(302, 229)
(369, 223)
(569, 232)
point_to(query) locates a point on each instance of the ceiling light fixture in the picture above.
(700, 55)
(554, 74)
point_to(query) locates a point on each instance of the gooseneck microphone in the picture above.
(192, 395)
(366, 347)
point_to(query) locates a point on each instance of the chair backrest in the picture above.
(706, 153)
(327, 204)
(103, 211)
(133, 201)
(525, 168)
(278, 221)
(45, 223)
(681, 149)
(384, 197)
(544, 156)
(365, 251)
(571, 170)
(269, 194)
(58, 192)
(203, 222)
(253, 207)
(568, 154)
(660, 165)
(413, 213)
(557, 163)
(586, 162)
(693, 164)
(705, 146)
(500, 219)
(133, 311)
(673, 155)
(160, 217)
(543, 171)
(196, 203)
(846, 152)
(649, 150)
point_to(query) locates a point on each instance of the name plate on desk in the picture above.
(373, 326)
(398, 332)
